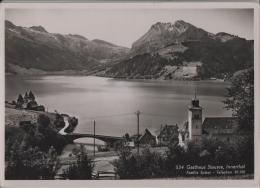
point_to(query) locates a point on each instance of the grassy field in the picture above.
(14, 116)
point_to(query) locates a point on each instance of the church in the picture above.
(218, 128)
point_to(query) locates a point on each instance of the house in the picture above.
(134, 137)
(40, 108)
(129, 141)
(221, 128)
(147, 138)
(129, 144)
(167, 134)
(31, 105)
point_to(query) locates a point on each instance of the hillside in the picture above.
(183, 51)
(177, 50)
(36, 49)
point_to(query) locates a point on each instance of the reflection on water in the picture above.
(89, 141)
(112, 102)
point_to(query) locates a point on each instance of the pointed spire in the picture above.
(20, 99)
(26, 95)
(195, 102)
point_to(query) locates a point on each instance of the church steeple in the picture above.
(195, 102)
(195, 119)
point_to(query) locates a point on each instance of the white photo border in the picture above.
(132, 183)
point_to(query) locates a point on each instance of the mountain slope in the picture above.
(36, 48)
(188, 52)
(163, 34)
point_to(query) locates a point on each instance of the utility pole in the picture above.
(160, 136)
(138, 114)
(94, 138)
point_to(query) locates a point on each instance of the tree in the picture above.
(175, 155)
(26, 96)
(43, 123)
(59, 121)
(241, 98)
(31, 150)
(127, 137)
(138, 166)
(31, 96)
(73, 122)
(20, 100)
(12, 135)
(225, 154)
(29, 164)
(83, 168)
(245, 152)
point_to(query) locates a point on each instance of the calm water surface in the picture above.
(113, 103)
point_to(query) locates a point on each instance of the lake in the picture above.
(113, 103)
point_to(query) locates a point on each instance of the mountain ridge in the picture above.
(161, 34)
(34, 47)
(184, 51)
(176, 50)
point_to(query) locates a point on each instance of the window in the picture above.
(196, 116)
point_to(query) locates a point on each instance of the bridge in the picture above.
(108, 139)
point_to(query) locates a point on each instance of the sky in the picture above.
(124, 26)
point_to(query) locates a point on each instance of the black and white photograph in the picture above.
(129, 93)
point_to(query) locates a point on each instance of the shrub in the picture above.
(30, 164)
(138, 166)
(59, 121)
(82, 170)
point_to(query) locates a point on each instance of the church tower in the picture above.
(195, 120)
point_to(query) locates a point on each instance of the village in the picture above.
(103, 149)
(195, 128)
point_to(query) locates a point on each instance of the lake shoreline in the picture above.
(113, 102)
(215, 80)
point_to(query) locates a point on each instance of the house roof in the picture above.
(155, 132)
(170, 127)
(146, 132)
(33, 103)
(167, 129)
(220, 125)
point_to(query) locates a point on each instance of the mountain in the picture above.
(184, 51)
(163, 34)
(177, 50)
(34, 48)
